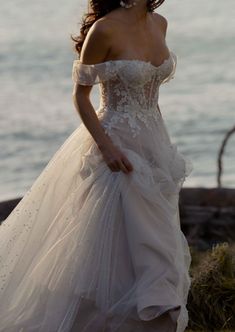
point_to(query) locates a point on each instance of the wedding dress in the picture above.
(91, 250)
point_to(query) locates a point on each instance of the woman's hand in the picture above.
(115, 159)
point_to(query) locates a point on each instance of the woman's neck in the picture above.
(138, 12)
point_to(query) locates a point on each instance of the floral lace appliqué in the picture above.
(129, 89)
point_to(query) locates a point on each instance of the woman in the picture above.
(95, 244)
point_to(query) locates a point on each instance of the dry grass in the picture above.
(211, 301)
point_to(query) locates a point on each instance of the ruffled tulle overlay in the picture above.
(91, 250)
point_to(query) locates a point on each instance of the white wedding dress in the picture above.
(91, 250)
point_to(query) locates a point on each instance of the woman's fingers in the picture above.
(127, 164)
(123, 167)
(114, 167)
(117, 166)
(120, 163)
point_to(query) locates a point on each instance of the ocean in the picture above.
(36, 109)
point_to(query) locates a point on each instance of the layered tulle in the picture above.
(91, 250)
(87, 245)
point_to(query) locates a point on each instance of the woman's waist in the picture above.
(131, 107)
(131, 120)
(130, 112)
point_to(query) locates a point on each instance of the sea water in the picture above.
(36, 108)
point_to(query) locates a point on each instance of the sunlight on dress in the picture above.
(91, 250)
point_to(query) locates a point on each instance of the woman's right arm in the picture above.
(94, 50)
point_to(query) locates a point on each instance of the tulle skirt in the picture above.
(91, 250)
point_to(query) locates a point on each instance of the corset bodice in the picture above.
(129, 88)
(136, 84)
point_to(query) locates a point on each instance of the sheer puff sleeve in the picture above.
(84, 74)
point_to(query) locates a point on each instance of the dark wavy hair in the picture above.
(99, 8)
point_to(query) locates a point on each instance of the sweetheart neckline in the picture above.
(130, 60)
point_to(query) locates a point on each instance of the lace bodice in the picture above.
(129, 88)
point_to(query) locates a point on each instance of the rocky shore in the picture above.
(207, 216)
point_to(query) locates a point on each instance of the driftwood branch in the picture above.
(220, 155)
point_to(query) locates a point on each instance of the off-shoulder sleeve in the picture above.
(90, 74)
(172, 74)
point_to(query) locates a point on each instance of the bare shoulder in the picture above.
(97, 42)
(101, 28)
(161, 21)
